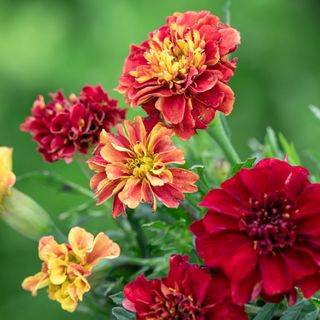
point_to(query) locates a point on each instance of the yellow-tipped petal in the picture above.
(7, 177)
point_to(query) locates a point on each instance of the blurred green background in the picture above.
(47, 45)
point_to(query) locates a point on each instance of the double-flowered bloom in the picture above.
(263, 230)
(180, 74)
(65, 126)
(189, 292)
(136, 165)
(66, 266)
(7, 177)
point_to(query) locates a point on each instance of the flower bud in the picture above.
(25, 215)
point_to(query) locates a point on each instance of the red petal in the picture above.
(172, 108)
(247, 289)
(310, 285)
(184, 180)
(168, 195)
(220, 201)
(230, 39)
(215, 222)
(299, 264)
(275, 276)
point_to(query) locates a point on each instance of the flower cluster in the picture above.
(65, 126)
(134, 167)
(261, 234)
(188, 293)
(180, 74)
(262, 230)
(7, 177)
(65, 267)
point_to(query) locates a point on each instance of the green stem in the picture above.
(219, 134)
(187, 207)
(141, 239)
(56, 178)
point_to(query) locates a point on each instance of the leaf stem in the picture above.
(58, 179)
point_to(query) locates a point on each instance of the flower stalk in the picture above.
(218, 132)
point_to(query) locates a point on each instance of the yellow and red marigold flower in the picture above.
(134, 167)
(66, 266)
(180, 74)
(7, 177)
(263, 230)
(64, 126)
(189, 292)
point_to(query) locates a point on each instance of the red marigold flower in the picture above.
(133, 167)
(188, 293)
(263, 230)
(181, 72)
(63, 127)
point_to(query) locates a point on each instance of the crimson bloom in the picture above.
(63, 127)
(180, 74)
(187, 293)
(133, 166)
(263, 230)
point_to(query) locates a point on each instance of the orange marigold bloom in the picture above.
(66, 266)
(180, 74)
(134, 167)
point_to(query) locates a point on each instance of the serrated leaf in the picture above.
(122, 314)
(289, 150)
(295, 312)
(266, 312)
(312, 316)
(117, 298)
(246, 164)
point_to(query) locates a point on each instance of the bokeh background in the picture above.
(47, 45)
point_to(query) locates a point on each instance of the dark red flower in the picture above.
(62, 127)
(188, 293)
(263, 230)
(181, 72)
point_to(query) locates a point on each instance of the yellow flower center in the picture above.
(172, 58)
(141, 162)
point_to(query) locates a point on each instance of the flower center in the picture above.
(175, 306)
(171, 59)
(141, 162)
(268, 222)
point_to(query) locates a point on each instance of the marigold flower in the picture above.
(188, 293)
(181, 72)
(63, 127)
(262, 230)
(66, 266)
(134, 167)
(7, 177)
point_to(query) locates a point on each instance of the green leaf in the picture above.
(289, 150)
(266, 312)
(117, 298)
(246, 164)
(312, 316)
(122, 314)
(295, 312)
(272, 148)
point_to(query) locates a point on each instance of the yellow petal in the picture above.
(103, 248)
(81, 241)
(7, 177)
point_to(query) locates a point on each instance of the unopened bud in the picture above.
(25, 215)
